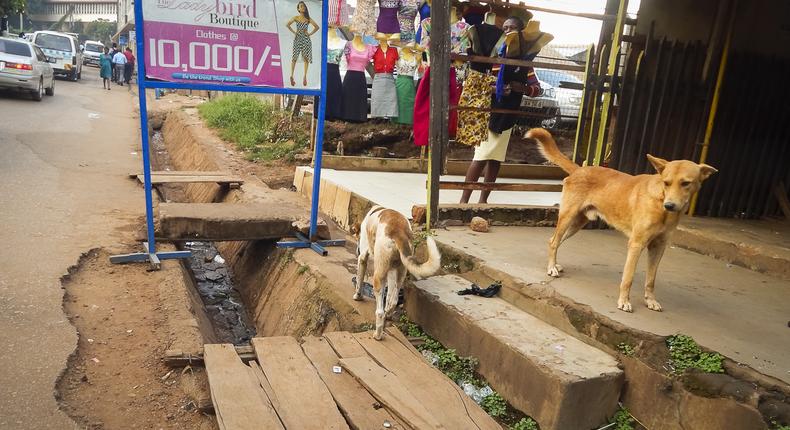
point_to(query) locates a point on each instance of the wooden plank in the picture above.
(397, 334)
(238, 402)
(449, 404)
(357, 405)
(264, 384)
(391, 392)
(499, 186)
(304, 401)
(178, 358)
(345, 345)
(512, 62)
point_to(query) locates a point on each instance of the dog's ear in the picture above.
(658, 163)
(705, 171)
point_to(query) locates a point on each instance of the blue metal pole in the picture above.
(139, 19)
(319, 138)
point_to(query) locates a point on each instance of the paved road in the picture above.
(64, 191)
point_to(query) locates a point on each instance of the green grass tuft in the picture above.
(525, 423)
(685, 353)
(256, 127)
(623, 420)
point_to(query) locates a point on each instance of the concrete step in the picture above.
(557, 379)
(226, 221)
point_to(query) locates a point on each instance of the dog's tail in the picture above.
(548, 147)
(419, 270)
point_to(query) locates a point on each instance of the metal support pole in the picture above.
(611, 71)
(440, 103)
(714, 105)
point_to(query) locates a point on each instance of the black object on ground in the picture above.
(367, 290)
(489, 292)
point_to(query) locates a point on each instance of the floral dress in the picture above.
(406, 15)
(364, 20)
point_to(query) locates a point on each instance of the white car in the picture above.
(92, 51)
(24, 66)
(65, 49)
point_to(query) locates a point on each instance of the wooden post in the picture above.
(440, 103)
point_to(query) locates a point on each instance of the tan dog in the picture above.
(386, 236)
(646, 208)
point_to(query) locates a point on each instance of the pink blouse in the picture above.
(358, 60)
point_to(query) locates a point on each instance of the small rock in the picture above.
(322, 230)
(479, 225)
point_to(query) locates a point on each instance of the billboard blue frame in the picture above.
(151, 255)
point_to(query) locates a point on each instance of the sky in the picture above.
(568, 29)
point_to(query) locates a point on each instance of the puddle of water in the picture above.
(221, 300)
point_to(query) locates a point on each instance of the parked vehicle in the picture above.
(545, 108)
(568, 99)
(65, 49)
(24, 66)
(92, 51)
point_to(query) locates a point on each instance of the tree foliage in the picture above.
(8, 7)
(101, 30)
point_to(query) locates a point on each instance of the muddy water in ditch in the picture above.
(211, 278)
(222, 302)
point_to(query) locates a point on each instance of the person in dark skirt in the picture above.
(355, 87)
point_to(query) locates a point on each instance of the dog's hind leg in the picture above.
(362, 270)
(394, 284)
(378, 290)
(568, 224)
(655, 250)
(634, 251)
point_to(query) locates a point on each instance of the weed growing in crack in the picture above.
(494, 405)
(525, 423)
(623, 420)
(626, 349)
(462, 370)
(777, 426)
(303, 269)
(685, 353)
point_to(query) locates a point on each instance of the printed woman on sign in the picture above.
(302, 46)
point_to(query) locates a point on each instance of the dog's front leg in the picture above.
(655, 250)
(378, 291)
(634, 251)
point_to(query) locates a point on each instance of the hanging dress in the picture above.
(406, 15)
(478, 85)
(338, 13)
(364, 20)
(425, 12)
(406, 89)
(334, 86)
(355, 87)
(384, 98)
(388, 17)
(422, 107)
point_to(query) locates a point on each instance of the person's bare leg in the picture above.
(293, 69)
(306, 66)
(492, 170)
(472, 175)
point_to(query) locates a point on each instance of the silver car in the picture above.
(23, 66)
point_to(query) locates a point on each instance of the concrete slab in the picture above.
(735, 311)
(557, 379)
(762, 245)
(401, 191)
(225, 221)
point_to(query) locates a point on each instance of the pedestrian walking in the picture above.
(119, 62)
(129, 67)
(114, 51)
(105, 65)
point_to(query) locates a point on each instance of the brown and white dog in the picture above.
(646, 208)
(386, 236)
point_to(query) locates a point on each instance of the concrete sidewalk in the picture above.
(401, 191)
(735, 311)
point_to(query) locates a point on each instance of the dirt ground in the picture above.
(385, 139)
(116, 379)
